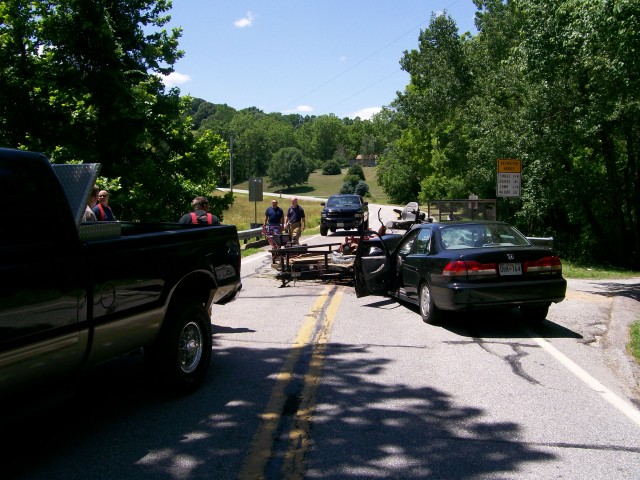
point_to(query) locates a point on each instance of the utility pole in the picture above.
(231, 164)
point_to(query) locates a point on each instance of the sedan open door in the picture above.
(371, 268)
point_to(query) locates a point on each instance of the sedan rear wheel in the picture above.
(429, 312)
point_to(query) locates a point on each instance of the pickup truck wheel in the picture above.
(180, 359)
(428, 310)
(323, 231)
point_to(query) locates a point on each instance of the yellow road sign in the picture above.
(509, 165)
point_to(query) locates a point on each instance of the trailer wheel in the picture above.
(181, 356)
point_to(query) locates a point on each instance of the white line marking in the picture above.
(625, 407)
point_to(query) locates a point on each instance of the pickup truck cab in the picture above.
(73, 296)
(347, 211)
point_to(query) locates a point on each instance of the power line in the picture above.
(411, 30)
(328, 109)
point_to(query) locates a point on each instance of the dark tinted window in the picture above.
(342, 201)
(26, 215)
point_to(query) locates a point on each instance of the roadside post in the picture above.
(255, 195)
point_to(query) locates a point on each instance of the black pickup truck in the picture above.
(75, 295)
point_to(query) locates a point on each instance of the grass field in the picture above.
(243, 212)
(320, 185)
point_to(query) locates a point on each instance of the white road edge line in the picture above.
(625, 407)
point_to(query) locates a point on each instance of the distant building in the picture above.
(365, 160)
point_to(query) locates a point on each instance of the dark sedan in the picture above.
(461, 266)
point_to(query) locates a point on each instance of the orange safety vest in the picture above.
(194, 219)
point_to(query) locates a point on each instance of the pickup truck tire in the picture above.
(181, 356)
(323, 231)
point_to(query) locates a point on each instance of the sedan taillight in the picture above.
(459, 268)
(545, 264)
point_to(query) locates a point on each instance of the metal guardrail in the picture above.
(245, 235)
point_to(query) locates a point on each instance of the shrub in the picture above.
(332, 167)
(362, 189)
(346, 188)
(357, 171)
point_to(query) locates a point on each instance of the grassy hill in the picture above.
(243, 212)
(320, 185)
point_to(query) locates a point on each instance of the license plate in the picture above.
(340, 225)
(510, 269)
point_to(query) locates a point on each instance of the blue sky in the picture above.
(312, 57)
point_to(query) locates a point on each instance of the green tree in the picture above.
(80, 82)
(356, 170)
(362, 188)
(321, 138)
(332, 167)
(396, 175)
(288, 167)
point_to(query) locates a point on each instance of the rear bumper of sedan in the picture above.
(469, 296)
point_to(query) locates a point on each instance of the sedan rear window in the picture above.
(455, 237)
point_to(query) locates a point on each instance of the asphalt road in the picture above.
(309, 381)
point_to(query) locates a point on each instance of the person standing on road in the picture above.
(274, 217)
(102, 210)
(295, 221)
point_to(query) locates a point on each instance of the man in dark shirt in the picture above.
(200, 214)
(102, 210)
(295, 221)
(273, 216)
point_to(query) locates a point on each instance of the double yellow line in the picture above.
(315, 332)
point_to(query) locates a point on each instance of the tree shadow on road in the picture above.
(118, 427)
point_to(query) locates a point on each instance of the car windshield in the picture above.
(473, 236)
(350, 200)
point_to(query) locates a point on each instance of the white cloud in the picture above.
(342, 59)
(174, 79)
(304, 109)
(245, 21)
(365, 113)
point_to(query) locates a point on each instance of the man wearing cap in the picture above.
(273, 216)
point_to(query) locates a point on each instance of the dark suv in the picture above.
(344, 211)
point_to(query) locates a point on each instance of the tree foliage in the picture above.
(80, 82)
(357, 171)
(554, 84)
(332, 167)
(288, 167)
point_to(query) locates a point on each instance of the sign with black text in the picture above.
(509, 171)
